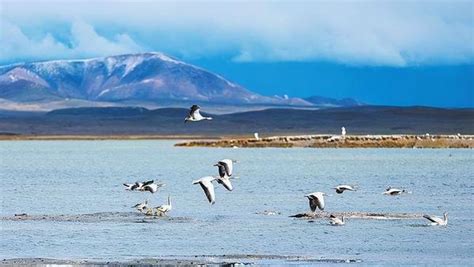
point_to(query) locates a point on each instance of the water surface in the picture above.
(78, 177)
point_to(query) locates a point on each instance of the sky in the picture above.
(378, 52)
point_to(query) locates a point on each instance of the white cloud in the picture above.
(364, 33)
(84, 42)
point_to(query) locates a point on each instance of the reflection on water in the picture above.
(85, 177)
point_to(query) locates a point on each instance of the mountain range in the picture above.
(170, 121)
(145, 79)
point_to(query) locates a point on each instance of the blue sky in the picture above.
(379, 52)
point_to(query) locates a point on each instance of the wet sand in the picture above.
(136, 217)
(99, 217)
(360, 215)
(196, 260)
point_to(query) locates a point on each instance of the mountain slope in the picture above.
(148, 77)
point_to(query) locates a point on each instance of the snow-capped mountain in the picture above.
(151, 77)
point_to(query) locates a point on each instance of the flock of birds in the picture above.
(224, 167)
(316, 201)
(225, 170)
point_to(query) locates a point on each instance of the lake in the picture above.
(83, 177)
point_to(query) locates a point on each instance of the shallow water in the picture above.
(78, 177)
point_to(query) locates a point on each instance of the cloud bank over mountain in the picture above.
(367, 34)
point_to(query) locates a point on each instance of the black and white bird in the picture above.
(333, 220)
(393, 191)
(343, 187)
(141, 206)
(436, 220)
(137, 185)
(195, 115)
(207, 187)
(164, 209)
(316, 200)
(225, 171)
(151, 187)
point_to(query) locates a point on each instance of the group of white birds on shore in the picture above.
(152, 187)
(316, 201)
(225, 171)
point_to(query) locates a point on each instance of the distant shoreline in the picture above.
(337, 141)
(21, 137)
(282, 141)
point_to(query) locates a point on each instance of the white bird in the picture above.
(137, 185)
(333, 220)
(224, 178)
(163, 209)
(152, 188)
(316, 200)
(141, 206)
(195, 115)
(343, 187)
(228, 165)
(256, 136)
(436, 220)
(208, 187)
(393, 191)
(343, 132)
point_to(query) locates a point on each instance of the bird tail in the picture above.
(196, 182)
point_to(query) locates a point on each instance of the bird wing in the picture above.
(394, 191)
(320, 202)
(139, 205)
(208, 188)
(346, 187)
(146, 188)
(152, 188)
(312, 204)
(193, 109)
(222, 171)
(432, 219)
(135, 186)
(226, 183)
(194, 112)
(148, 182)
(228, 166)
